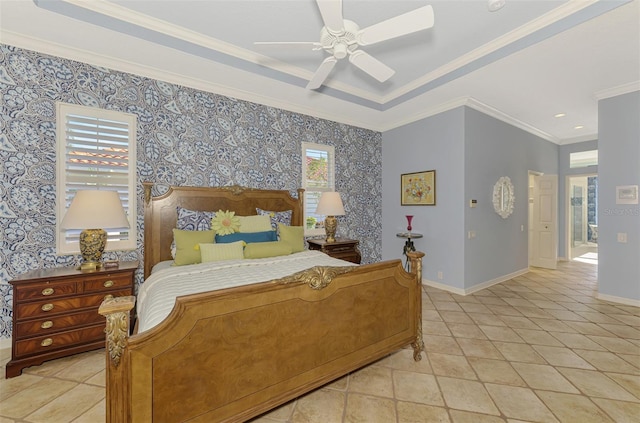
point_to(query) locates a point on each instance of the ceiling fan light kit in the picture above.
(495, 5)
(341, 38)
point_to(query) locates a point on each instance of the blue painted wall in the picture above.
(619, 164)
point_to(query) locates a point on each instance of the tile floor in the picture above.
(537, 348)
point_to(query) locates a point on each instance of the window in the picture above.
(583, 159)
(318, 176)
(96, 149)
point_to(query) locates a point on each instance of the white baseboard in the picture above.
(621, 300)
(474, 288)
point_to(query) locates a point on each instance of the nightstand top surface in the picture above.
(338, 241)
(59, 272)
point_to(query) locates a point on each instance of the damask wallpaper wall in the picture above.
(185, 137)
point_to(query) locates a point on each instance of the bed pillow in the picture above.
(186, 242)
(283, 217)
(294, 235)
(219, 252)
(267, 249)
(249, 224)
(265, 236)
(194, 220)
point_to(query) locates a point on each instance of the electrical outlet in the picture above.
(440, 275)
(472, 234)
(622, 237)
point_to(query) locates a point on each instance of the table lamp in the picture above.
(330, 205)
(92, 211)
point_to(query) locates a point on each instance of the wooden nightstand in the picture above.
(343, 249)
(55, 312)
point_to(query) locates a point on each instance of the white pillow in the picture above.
(220, 252)
(250, 224)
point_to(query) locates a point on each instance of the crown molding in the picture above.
(619, 90)
(582, 138)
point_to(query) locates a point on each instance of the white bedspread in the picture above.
(157, 294)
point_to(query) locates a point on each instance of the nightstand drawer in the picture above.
(103, 282)
(45, 308)
(59, 340)
(45, 290)
(40, 327)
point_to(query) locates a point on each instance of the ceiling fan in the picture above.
(341, 38)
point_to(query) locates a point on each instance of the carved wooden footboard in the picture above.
(233, 354)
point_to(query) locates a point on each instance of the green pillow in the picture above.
(294, 235)
(256, 250)
(220, 252)
(186, 243)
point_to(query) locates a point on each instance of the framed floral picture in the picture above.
(418, 189)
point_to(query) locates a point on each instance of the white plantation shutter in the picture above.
(316, 156)
(96, 150)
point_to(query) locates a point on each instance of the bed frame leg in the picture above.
(415, 268)
(117, 311)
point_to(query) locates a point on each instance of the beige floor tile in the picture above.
(35, 396)
(409, 412)
(9, 387)
(541, 376)
(588, 328)
(629, 319)
(558, 356)
(538, 337)
(629, 382)
(577, 340)
(83, 367)
(553, 325)
(486, 319)
(519, 403)
(447, 306)
(519, 352)
(362, 408)
(456, 317)
(324, 405)
(506, 310)
(458, 416)
(573, 408)
(451, 365)
(616, 345)
(495, 371)
(623, 331)
(441, 344)
(503, 334)
(475, 308)
(607, 362)
(597, 317)
(621, 412)
(535, 312)
(490, 300)
(596, 384)
(372, 380)
(466, 395)
(519, 322)
(435, 328)
(479, 348)
(49, 368)
(421, 389)
(460, 330)
(431, 315)
(99, 379)
(69, 405)
(403, 360)
(519, 302)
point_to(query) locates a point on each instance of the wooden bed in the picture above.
(233, 354)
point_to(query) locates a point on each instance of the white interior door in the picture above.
(544, 222)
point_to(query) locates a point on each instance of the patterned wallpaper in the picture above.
(185, 137)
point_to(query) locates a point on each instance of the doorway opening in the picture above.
(582, 228)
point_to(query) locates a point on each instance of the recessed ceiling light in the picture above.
(559, 115)
(494, 5)
(578, 127)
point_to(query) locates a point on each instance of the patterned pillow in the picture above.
(283, 217)
(194, 220)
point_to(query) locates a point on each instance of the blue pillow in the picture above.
(266, 236)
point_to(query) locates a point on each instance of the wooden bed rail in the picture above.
(127, 369)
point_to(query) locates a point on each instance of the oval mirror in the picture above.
(503, 198)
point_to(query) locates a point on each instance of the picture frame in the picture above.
(627, 194)
(418, 188)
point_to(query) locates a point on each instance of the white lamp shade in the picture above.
(95, 210)
(330, 204)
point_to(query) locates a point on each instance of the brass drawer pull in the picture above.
(108, 284)
(108, 297)
(46, 324)
(47, 291)
(46, 342)
(47, 307)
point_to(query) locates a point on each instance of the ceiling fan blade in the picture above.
(331, 11)
(371, 65)
(292, 45)
(322, 72)
(407, 23)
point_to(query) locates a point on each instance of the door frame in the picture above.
(567, 208)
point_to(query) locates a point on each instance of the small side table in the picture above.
(408, 245)
(342, 248)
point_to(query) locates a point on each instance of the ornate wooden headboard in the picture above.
(160, 213)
